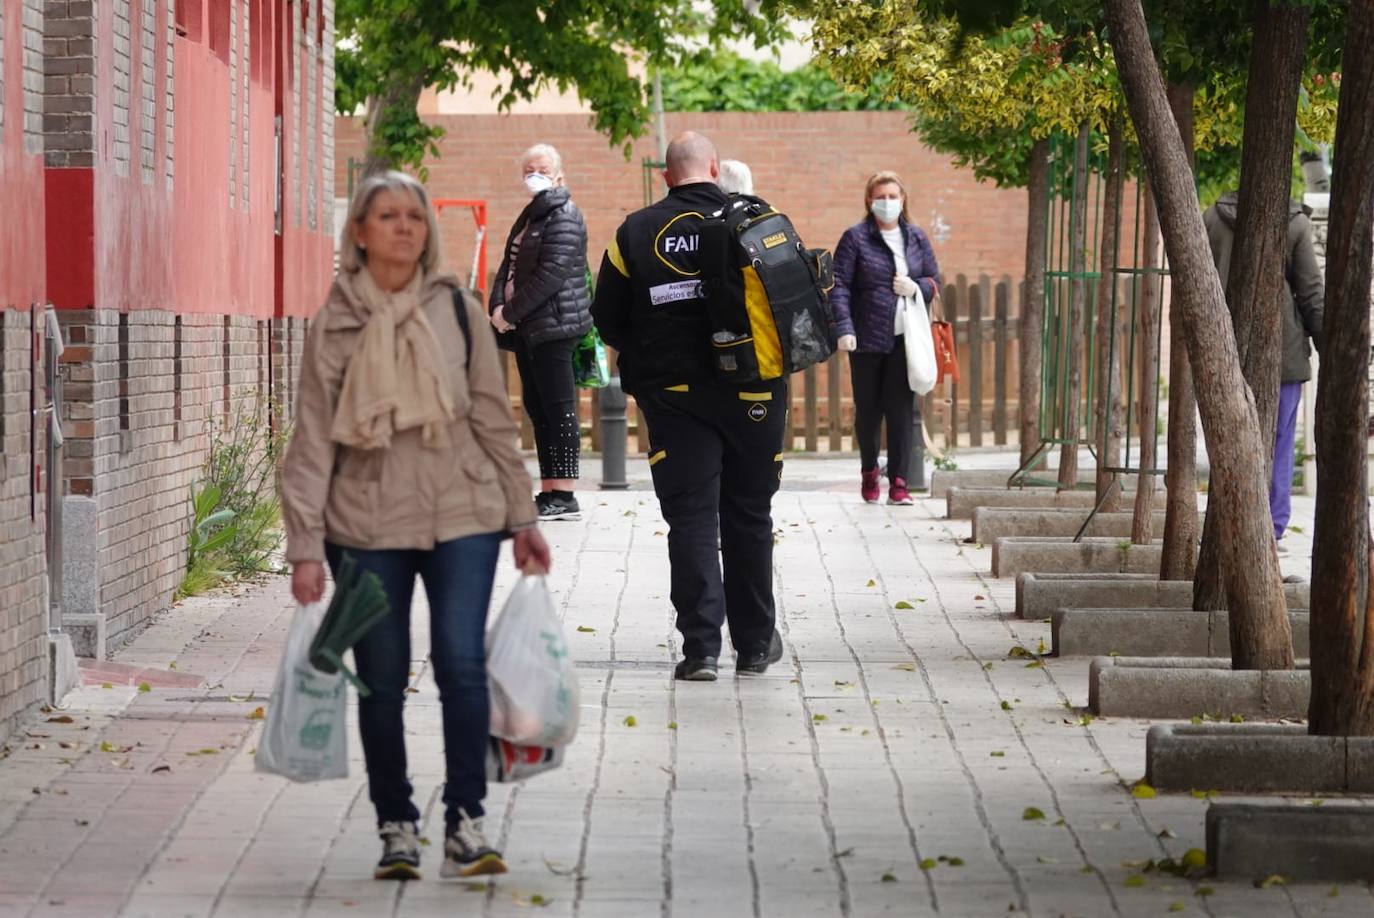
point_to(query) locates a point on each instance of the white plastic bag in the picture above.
(305, 736)
(533, 685)
(921, 368)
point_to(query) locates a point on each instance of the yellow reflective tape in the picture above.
(778, 457)
(613, 253)
(682, 388)
(756, 396)
(767, 346)
(658, 457)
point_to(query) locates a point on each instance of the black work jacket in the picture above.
(649, 304)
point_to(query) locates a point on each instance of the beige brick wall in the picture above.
(139, 459)
(23, 575)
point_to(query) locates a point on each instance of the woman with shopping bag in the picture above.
(885, 274)
(404, 458)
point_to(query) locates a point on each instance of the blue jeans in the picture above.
(1285, 436)
(458, 579)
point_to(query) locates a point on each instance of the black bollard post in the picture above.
(614, 437)
(916, 467)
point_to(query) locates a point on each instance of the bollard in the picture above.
(614, 436)
(916, 465)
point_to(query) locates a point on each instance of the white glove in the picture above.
(903, 285)
(848, 342)
(498, 320)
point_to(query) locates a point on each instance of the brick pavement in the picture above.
(888, 738)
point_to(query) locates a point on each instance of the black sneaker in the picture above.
(400, 852)
(758, 663)
(555, 507)
(467, 853)
(696, 669)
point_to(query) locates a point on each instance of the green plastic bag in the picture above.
(590, 368)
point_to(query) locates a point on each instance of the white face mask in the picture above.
(886, 209)
(536, 182)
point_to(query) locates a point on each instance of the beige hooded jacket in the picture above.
(407, 495)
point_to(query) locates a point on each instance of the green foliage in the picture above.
(235, 510)
(722, 81)
(389, 50)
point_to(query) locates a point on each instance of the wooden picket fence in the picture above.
(981, 410)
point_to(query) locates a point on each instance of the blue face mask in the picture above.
(886, 209)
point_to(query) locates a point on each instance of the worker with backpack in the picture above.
(711, 300)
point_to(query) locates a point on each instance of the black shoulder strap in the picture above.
(460, 309)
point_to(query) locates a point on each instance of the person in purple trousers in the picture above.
(1300, 319)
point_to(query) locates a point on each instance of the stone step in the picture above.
(961, 502)
(992, 523)
(1029, 554)
(1154, 632)
(1183, 687)
(1038, 595)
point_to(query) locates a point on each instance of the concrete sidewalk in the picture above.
(886, 766)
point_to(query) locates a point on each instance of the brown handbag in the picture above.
(942, 332)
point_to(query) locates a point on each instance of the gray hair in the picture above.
(352, 257)
(546, 150)
(735, 177)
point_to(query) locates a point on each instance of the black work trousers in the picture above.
(715, 452)
(881, 392)
(549, 395)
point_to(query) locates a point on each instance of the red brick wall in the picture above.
(810, 165)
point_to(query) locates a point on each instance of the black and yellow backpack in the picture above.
(767, 294)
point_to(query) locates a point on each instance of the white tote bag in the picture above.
(305, 736)
(921, 369)
(534, 697)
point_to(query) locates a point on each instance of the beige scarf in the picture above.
(396, 379)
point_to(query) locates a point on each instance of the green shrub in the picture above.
(235, 509)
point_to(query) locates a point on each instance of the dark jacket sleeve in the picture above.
(846, 270)
(1305, 280)
(614, 295)
(929, 278)
(563, 240)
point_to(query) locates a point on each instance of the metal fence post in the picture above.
(614, 435)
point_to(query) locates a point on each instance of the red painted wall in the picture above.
(22, 271)
(186, 249)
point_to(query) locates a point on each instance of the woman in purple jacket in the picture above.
(879, 263)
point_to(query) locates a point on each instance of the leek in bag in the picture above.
(304, 737)
(533, 684)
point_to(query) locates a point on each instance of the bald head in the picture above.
(691, 158)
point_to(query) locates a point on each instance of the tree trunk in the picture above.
(397, 101)
(1078, 308)
(1147, 413)
(1260, 637)
(1255, 281)
(1033, 308)
(1179, 559)
(1342, 617)
(1110, 415)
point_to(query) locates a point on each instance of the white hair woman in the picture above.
(735, 177)
(541, 300)
(403, 459)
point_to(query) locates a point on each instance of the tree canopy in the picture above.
(391, 50)
(723, 81)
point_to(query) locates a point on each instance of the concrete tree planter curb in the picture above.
(1027, 554)
(941, 481)
(1181, 687)
(1303, 844)
(961, 502)
(1154, 632)
(1038, 595)
(993, 523)
(1257, 758)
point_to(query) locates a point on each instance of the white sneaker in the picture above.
(400, 852)
(467, 853)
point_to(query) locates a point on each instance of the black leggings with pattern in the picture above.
(550, 398)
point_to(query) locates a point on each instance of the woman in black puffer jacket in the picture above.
(540, 297)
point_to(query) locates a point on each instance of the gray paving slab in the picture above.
(885, 740)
